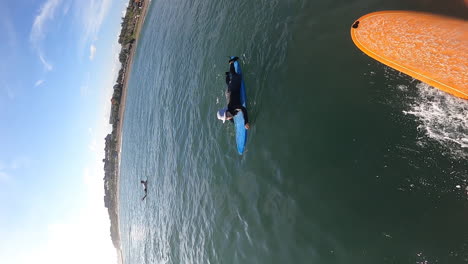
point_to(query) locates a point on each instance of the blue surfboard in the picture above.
(241, 132)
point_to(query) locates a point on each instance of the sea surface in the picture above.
(347, 160)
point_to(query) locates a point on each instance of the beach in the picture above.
(127, 69)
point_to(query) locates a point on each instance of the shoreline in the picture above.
(132, 23)
(128, 70)
(123, 100)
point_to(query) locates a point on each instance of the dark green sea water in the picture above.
(347, 161)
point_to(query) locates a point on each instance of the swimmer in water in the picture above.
(145, 185)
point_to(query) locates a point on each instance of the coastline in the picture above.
(128, 71)
(135, 16)
(123, 99)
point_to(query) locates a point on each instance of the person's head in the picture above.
(142, 181)
(222, 114)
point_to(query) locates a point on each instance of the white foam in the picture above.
(403, 88)
(443, 117)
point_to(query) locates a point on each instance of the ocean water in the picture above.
(347, 161)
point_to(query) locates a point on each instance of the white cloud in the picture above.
(91, 14)
(80, 235)
(82, 231)
(38, 83)
(92, 51)
(85, 228)
(47, 65)
(46, 13)
(93, 146)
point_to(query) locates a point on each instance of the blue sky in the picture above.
(59, 63)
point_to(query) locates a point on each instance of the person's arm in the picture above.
(228, 78)
(232, 69)
(233, 110)
(246, 117)
(244, 111)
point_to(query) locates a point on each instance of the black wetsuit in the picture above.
(233, 81)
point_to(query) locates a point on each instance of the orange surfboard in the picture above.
(427, 47)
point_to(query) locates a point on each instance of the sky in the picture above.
(59, 63)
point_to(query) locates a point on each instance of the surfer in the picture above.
(233, 81)
(145, 184)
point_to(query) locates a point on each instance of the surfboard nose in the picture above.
(427, 47)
